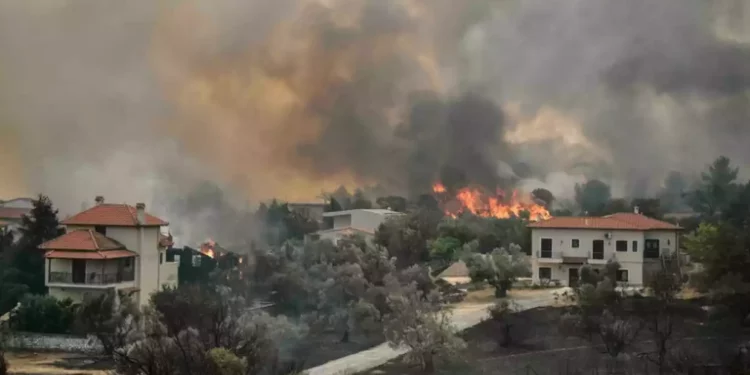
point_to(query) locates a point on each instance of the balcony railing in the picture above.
(595, 255)
(92, 278)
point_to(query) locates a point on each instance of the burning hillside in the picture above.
(480, 202)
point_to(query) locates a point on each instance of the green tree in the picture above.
(43, 314)
(614, 206)
(359, 201)
(650, 207)
(700, 243)
(716, 188)
(592, 197)
(39, 226)
(418, 322)
(392, 202)
(445, 249)
(112, 317)
(544, 195)
(500, 268)
(405, 236)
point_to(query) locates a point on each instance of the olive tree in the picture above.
(499, 268)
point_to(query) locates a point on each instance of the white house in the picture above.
(109, 246)
(561, 245)
(361, 221)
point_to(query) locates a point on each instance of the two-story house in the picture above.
(109, 246)
(361, 221)
(562, 245)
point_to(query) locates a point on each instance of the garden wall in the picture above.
(52, 342)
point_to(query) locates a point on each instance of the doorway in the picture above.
(79, 271)
(573, 277)
(598, 247)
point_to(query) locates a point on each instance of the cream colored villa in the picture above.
(562, 245)
(109, 246)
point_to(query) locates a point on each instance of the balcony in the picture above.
(91, 278)
(572, 257)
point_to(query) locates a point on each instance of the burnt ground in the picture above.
(541, 349)
(318, 350)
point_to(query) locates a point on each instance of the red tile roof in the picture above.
(85, 244)
(82, 240)
(13, 213)
(618, 221)
(92, 255)
(121, 215)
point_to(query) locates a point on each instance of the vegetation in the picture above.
(499, 268)
(43, 314)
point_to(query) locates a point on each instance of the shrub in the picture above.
(44, 314)
(226, 362)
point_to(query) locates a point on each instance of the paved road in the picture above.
(463, 317)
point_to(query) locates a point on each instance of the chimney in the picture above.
(140, 214)
(99, 200)
(636, 210)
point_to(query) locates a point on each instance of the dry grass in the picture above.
(45, 363)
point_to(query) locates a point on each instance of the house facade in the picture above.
(109, 246)
(362, 221)
(11, 212)
(562, 245)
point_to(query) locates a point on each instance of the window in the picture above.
(622, 275)
(635, 246)
(101, 229)
(197, 260)
(161, 258)
(598, 249)
(170, 256)
(545, 273)
(669, 242)
(651, 249)
(546, 248)
(574, 243)
(128, 262)
(621, 245)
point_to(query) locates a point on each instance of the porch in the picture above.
(88, 273)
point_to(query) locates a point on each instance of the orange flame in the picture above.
(207, 248)
(475, 201)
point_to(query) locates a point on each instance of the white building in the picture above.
(363, 221)
(561, 245)
(109, 246)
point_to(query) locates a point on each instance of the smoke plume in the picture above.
(141, 100)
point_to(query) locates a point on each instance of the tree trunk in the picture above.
(428, 365)
(345, 338)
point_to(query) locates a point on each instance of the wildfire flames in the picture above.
(207, 248)
(477, 202)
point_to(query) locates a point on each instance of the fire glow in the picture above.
(475, 201)
(207, 248)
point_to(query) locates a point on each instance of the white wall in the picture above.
(562, 243)
(629, 260)
(369, 221)
(342, 221)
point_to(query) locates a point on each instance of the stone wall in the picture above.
(52, 342)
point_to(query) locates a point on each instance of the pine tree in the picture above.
(39, 226)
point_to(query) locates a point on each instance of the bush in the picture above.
(43, 314)
(226, 362)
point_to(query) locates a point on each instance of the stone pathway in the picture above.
(464, 316)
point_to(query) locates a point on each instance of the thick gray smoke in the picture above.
(140, 102)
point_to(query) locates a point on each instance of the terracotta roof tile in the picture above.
(108, 214)
(13, 213)
(93, 255)
(82, 240)
(618, 221)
